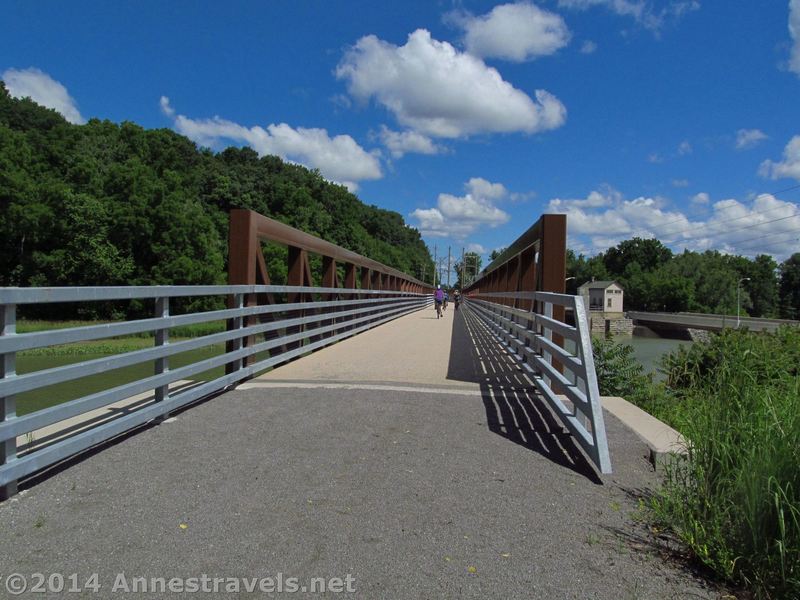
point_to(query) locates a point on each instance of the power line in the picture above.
(713, 235)
(747, 216)
(789, 189)
(773, 234)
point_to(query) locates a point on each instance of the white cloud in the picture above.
(405, 142)
(42, 89)
(518, 32)
(680, 183)
(165, 107)
(794, 31)
(588, 47)
(646, 13)
(747, 138)
(459, 216)
(684, 148)
(595, 199)
(476, 248)
(655, 158)
(788, 167)
(478, 187)
(438, 91)
(338, 158)
(764, 225)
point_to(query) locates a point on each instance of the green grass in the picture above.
(735, 499)
(114, 345)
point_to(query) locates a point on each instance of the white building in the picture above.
(603, 302)
(603, 296)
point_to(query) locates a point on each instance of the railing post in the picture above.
(296, 277)
(162, 339)
(548, 335)
(8, 404)
(237, 323)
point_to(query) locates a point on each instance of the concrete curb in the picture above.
(664, 442)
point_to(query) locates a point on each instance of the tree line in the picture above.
(657, 279)
(117, 204)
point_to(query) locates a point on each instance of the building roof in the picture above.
(598, 285)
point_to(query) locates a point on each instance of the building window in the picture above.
(609, 303)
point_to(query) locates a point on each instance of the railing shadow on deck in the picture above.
(514, 409)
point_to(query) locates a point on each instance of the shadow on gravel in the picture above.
(514, 410)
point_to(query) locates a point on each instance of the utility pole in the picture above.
(463, 278)
(435, 263)
(448, 267)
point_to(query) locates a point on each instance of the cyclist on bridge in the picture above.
(438, 298)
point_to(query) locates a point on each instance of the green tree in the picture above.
(649, 254)
(763, 285)
(471, 267)
(790, 287)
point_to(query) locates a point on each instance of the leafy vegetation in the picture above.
(655, 279)
(110, 204)
(735, 499)
(618, 371)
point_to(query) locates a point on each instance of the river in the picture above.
(649, 350)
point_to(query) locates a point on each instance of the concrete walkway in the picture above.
(428, 482)
(415, 349)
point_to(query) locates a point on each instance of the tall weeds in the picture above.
(735, 500)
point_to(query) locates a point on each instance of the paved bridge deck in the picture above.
(438, 476)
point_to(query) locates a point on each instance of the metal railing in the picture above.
(565, 378)
(299, 320)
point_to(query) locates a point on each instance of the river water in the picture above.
(648, 350)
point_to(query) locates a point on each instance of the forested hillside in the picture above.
(112, 204)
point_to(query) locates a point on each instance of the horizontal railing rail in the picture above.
(258, 337)
(562, 369)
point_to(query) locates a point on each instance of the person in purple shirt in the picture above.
(438, 297)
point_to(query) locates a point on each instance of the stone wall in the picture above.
(613, 323)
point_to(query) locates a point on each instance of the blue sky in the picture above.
(675, 118)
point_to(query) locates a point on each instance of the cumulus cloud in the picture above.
(588, 47)
(517, 32)
(680, 183)
(476, 248)
(42, 89)
(788, 167)
(434, 89)
(765, 225)
(459, 216)
(747, 138)
(684, 148)
(338, 158)
(646, 13)
(794, 31)
(405, 142)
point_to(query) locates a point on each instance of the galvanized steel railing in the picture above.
(566, 379)
(288, 330)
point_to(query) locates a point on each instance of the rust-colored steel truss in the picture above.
(535, 262)
(247, 266)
